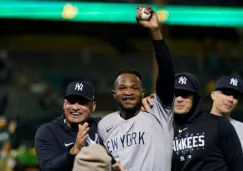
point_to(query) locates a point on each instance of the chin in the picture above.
(76, 120)
(129, 107)
(227, 111)
(179, 113)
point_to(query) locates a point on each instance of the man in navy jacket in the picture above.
(58, 141)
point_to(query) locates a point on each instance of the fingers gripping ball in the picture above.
(145, 16)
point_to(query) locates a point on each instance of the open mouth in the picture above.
(76, 114)
(128, 99)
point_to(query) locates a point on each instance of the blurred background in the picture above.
(46, 44)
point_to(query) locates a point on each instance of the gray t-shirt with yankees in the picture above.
(141, 143)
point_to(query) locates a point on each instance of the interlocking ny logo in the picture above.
(234, 81)
(79, 86)
(182, 80)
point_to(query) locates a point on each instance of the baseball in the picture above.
(144, 15)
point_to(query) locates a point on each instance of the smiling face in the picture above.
(128, 91)
(77, 109)
(224, 101)
(183, 102)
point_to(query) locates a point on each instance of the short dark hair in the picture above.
(129, 71)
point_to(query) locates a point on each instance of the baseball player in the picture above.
(138, 140)
(225, 98)
(202, 141)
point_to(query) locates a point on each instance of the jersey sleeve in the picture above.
(100, 130)
(164, 115)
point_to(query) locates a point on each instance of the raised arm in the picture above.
(166, 75)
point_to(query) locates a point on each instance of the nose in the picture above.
(128, 92)
(231, 98)
(179, 99)
(75, 106)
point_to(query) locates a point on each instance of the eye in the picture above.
(121, 88)
(71, 101)
(229, 93)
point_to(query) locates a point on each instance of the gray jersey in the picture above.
(141, 143)
(239, 129)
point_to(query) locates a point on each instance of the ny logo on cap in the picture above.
(234, 81)
(182, 80)
(79, 86)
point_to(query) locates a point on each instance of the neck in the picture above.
(73, 126)
(215, 111)
(129, 113)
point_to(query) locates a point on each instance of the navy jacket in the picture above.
(203, 141)
(54, 140)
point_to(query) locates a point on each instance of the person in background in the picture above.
(226, 96)
(202, 141)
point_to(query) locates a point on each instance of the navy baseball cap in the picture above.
(80, 88)
(182, 82)
(227, 82)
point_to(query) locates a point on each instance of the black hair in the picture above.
(129, 71)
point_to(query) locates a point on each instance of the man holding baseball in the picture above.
(138, 140)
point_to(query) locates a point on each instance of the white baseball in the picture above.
(144, 15)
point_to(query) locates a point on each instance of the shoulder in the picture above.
(110, 118)
(219, 121)
(215, 117)
(223, 126)
(95, 120)
(45, 129)
(159, 103)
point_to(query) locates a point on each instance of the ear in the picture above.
(93, 107)
(213, 94)
(113, 94)
(64, 104)
(143, 92)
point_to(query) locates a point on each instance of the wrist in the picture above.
(74, 150)
(156, 34)
(154, 30)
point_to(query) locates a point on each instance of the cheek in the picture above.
(86, 110)
(67, 107)
(219, 101)
(138, 93)
(118, 94)
(188, 104)
(235, 102)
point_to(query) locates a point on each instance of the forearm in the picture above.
(156, 34)
(165, 79)
(63, 162)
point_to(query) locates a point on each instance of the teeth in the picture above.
(75, 113)
(128, 99)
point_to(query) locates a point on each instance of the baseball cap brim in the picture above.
(77, 95)
(184, 88)
(229, 89)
